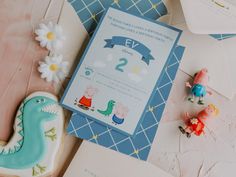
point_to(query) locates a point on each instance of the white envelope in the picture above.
(93, 160)
(229, 46)
(205, 51)
(210, 16)
(76, 35)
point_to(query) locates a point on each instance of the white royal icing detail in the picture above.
(13, 144)
(53, 147)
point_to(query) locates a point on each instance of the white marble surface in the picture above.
(210, 155)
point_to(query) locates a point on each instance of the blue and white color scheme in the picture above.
(90, 11)
(127, 55)
(222, 36)
(130, 43)
(140, 145)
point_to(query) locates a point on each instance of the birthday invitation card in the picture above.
(119, 71)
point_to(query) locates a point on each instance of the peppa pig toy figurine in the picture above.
(199, 87)
(121, 112)
(85, 101)
(196, 124)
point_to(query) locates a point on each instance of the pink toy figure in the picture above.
(196, 124)
(199, 87)
(121, 112)
(86, 101)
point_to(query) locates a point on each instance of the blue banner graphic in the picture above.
(130, 43)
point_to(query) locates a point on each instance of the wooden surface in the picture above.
(19, 57)
(20, 54)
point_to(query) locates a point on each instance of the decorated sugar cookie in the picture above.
(34, 146)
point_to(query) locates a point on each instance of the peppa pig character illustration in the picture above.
(199, 87)
(196, 124)
(121, 112)
(86, 101)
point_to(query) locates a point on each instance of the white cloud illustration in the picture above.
(134, 77)
(99, 64)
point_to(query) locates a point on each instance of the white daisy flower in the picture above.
(50, 36)
(53, 68)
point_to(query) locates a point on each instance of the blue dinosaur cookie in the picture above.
(35, 144)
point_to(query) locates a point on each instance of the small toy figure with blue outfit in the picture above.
(199, 87)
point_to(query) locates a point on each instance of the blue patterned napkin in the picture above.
(222, 36)
(90, 11)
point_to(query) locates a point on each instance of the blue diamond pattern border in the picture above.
(90, 11)
(140, 145)
(222, 36)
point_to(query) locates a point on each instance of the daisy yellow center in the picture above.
(50, 36)
(53, 67)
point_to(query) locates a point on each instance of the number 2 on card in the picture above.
(121, 65)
